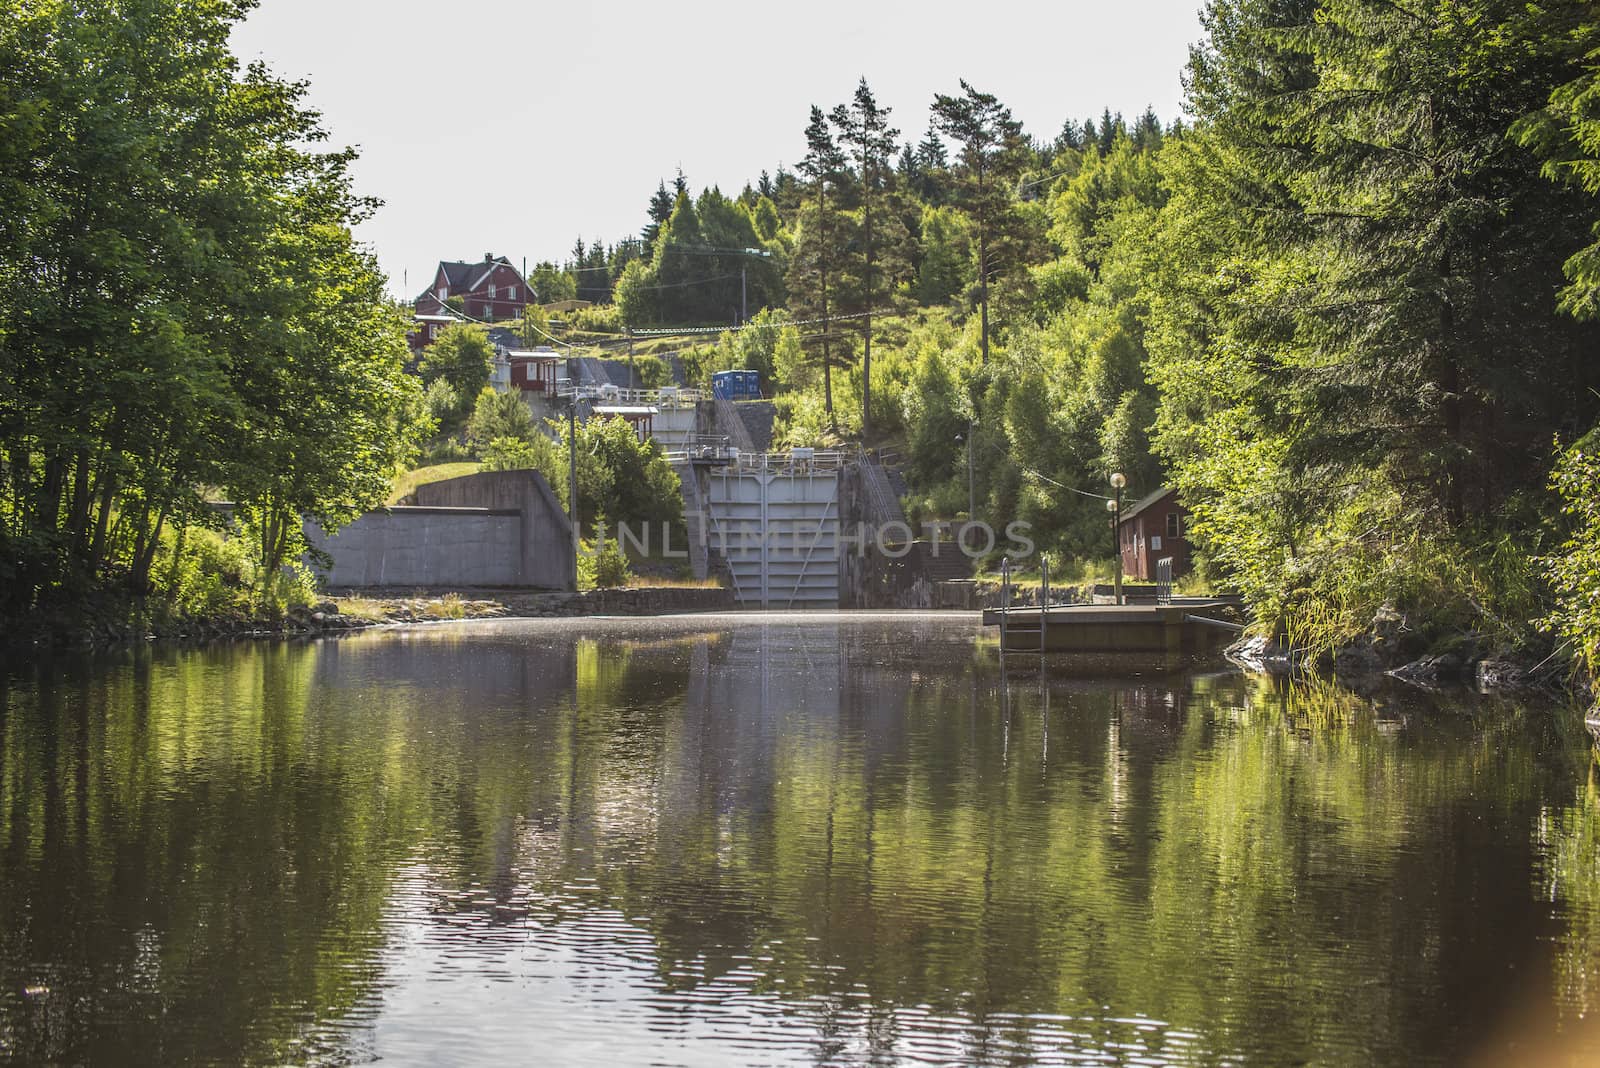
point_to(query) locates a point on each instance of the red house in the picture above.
(490, 291)
(1154, 527)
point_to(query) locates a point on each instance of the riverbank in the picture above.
(107, 621)
(1392, 650)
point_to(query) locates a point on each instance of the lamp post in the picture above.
(972, 500)
(1114, 506)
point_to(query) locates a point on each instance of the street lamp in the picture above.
(1114, 506)
(972, 506)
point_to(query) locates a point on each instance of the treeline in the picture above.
(1348, 310)
(184, 317)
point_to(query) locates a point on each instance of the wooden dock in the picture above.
(1186, 626)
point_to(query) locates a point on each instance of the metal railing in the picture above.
(795, 461)
(666, 397)
(704, 448)
(1164, 580)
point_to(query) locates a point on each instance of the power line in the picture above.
(1031, 473)
(687, 330)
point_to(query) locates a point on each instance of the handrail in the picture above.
(667, 397)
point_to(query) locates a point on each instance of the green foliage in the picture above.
(462, 356)
(1574, 570)
(603, 565)
(946, 253)
(1349, 308)
(551, 284)
(758, 347)
(499, 415)
(652, 372)
(442, 401)
(623, 478)
(186, 312)
(600, 319)
(708, 259)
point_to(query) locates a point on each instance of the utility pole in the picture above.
(743, 311)
(633, 379)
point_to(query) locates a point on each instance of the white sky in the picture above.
(514, 127)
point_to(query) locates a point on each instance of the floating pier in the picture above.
(1183, 627)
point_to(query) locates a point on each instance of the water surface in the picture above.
(776, 840)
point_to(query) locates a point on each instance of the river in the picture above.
(770, 839)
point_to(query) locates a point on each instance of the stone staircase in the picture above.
(950, 565)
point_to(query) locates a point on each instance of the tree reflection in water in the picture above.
(816, 839)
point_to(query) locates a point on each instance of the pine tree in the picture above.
(820, 248)
(660, 211)
(865, 131)
(992, 149)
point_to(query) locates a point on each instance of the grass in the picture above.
(363, 608)
(658, 582)
(407, 482)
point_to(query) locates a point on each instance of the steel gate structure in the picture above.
(776, 521)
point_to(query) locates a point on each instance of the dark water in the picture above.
(775, 840)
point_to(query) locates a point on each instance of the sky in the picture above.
(516, 128)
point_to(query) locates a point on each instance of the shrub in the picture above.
(603, 565)
(499, 415)
(652, 372)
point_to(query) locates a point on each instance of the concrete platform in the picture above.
(1188, 626)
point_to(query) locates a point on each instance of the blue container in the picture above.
(736, 385)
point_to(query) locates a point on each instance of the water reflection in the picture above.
(831, 840)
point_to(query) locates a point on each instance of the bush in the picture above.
(500, 415)
(599, 319)
(206, 574)
(445, 451)
(603, 565)
(652, 372)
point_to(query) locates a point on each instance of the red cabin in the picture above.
(534, 371)
(1154, 527)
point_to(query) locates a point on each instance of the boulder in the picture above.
(1358, 659)
(1502, 675)
(1261, 654)
(1431, 671)
(1392, 638)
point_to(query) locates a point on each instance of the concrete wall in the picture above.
(499, 529)
(546, 550)
(408, 546)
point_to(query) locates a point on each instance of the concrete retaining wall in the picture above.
(499, 529)
(547, 559)
(425, 547)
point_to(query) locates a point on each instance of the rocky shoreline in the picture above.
(1392, 649)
